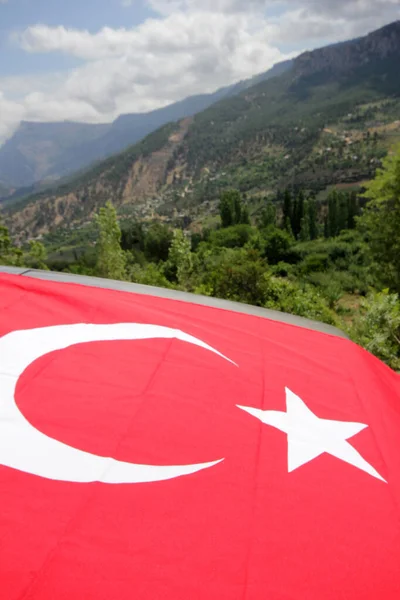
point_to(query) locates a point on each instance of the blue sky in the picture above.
(16, 15)
(92, 60)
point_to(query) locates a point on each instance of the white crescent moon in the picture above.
(25, 448)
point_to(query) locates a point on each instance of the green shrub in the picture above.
(233, 274)
(282, 269)
(231, 237)
(157, 242)
(315, 263)
(277, 244)
(378, 327)
(150, 274)
(283, 295)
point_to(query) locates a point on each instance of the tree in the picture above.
(150, 274)
(232, 210)
(9, 254)
(332, 225)
(341, 209)
(287, 208)
(288, 227)
(352, 210)
(304, 234)
(231, 237)
(277, 243)
(313, 218)
(342, 212)
(380, 221)
(234, 274)
(237, 208)
(298, 213)
(111, 259)
(293, 221)
(5, 240)
(304, 301)
(157, 242)
(326, 227)
(226, 211)
(37, 255)
(180, 258)
(378, 327)
(268, 215)
(132, 235)
(244, 216)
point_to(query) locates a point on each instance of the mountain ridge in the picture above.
(342, 57)
(307, 128)
(40, 152)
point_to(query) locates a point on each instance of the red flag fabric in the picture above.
(156, 449)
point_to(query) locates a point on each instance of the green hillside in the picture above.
(327, 121)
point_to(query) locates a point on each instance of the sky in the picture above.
(91, 60)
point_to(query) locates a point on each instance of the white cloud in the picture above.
(193, 46)
(346, 8)
(11, 113)
(156, 63)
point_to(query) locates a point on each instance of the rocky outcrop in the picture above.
(341, 58)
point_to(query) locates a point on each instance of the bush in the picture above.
(148, 275)
(378, 327)
(231, 237)
(277, 244)
(233, 274)
(282, 269)
(380, 221)
(179, 265)
(289, 297)
(315, 262)
(157, 242)
(330, 283)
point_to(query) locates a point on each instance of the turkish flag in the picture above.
(295, 434)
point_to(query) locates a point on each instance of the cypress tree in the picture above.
(298, 213)
(305, 225)
(312, 215)
(245, 217)
(226, 210)
(343, 212)
(353, 210)
(288, 227)
(287, 208)
(326, 227)
(237, 208)
(333, 214)
(268, 215)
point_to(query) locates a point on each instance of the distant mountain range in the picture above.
(327, 118)
(44, 152)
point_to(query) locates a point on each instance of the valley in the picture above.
(260, 198)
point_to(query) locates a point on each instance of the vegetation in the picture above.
(306, 131)
(325, 261)
(378, 327)
(381, 220)
(111, 260)
(267, 197)
(33, 256)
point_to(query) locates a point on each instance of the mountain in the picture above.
(344, 57)
(5, 191)
(328, 119)
(49, 151)
(38, 150)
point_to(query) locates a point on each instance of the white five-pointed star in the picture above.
(309, 436)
